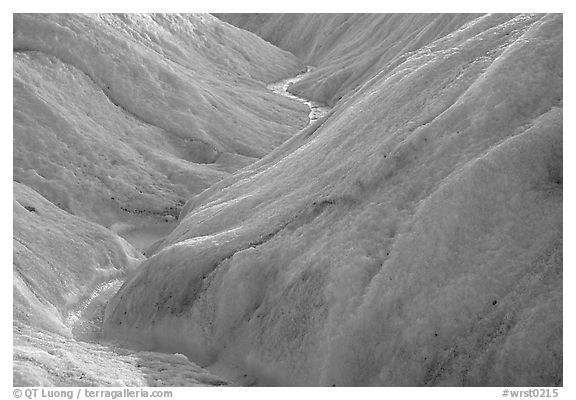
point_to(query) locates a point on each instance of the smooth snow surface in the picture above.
(412, 236)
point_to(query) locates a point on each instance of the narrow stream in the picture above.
(317, 110)
(144, 236)
(86, 320)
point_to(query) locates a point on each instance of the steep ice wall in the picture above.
(120, 118)
(348, 49)
(412, 237)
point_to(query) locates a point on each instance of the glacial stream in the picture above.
(317, 110)
(160, 369)
(144, 236)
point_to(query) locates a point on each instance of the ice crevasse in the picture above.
(411, 237)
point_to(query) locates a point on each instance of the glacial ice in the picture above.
(412, 237)
(121, 118)
(118, 119)
(65, 271)
(348, 48)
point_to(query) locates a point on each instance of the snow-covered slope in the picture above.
(121, 118)
(347, 48)
(411, 237)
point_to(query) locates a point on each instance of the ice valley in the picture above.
(178, 223)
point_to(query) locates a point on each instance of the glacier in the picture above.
(413, 237)
(410, 236)
(121, 118)
(117, 120)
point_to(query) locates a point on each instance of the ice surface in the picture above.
(45, 359)
(412, 237)
(65, 271)
(347, 48)
(121, 118)
(60, 259)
